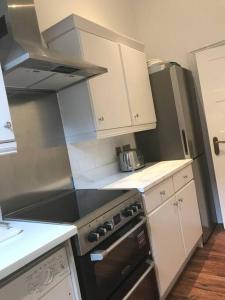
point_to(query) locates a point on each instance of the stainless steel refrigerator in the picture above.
(178, 134)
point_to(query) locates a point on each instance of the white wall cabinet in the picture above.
(114, 103)
(174, 226)
(138, 87)
(108, 93)
(7, 138)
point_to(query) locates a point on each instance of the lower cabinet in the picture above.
(166, 242)
(189, 216)
(175, 228)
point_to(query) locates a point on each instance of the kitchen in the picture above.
(63, 136)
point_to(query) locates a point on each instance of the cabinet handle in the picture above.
(185, 177)
(8, 125)
(136, 116)
(175, 203)
(181, 200)
(162, 193)
(101, 118)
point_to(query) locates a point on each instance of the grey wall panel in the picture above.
(41, 165)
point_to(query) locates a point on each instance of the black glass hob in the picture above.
(67, 206)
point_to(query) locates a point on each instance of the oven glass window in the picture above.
(121, 261)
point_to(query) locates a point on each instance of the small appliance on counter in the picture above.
(130, 159)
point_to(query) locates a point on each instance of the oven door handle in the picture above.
(100, 254)
(150, 268)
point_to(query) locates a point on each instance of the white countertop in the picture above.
(35, 240)
(146, 178)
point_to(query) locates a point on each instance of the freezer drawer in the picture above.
(205, 202)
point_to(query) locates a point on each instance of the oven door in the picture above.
(140, 285)
(145, 288)
(114, 262)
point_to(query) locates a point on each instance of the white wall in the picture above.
(95, 160)
(172, 28)
(115, 14)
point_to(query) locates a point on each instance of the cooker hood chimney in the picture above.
(26, 63)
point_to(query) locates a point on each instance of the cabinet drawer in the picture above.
(182, 177)
(158, 194)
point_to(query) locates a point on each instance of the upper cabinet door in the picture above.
(108, 91)
(6, 131)
(189, 216)
(138, 85)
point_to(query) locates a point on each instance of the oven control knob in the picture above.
(138, 205)
(109, 226)
(134, 208)
(101, 230)
(93, 237)
(128, 212)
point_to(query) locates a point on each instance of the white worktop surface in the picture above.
(146, 178)
(35, 240)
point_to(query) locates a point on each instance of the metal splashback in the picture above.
(26, 63)
(41, 165)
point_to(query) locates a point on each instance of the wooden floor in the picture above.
(204, 277)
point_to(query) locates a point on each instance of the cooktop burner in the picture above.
(67, 206)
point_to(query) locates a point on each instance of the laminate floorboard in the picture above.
(204, 276)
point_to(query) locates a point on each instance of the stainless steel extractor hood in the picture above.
(26, 63)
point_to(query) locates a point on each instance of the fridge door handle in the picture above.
(185, 142)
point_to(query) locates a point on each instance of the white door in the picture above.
(6, 133)
(138, 86)
(189, 216)
(108, 91)
(211, 69)
(167, 243)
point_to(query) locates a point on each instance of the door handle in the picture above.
(184, 142)
(216, 144)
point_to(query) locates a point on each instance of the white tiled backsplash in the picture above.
(93, 160)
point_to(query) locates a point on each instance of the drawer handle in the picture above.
(181, 200)
(185, 177)
(8, 125)
(163, 193)
(175, 203)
